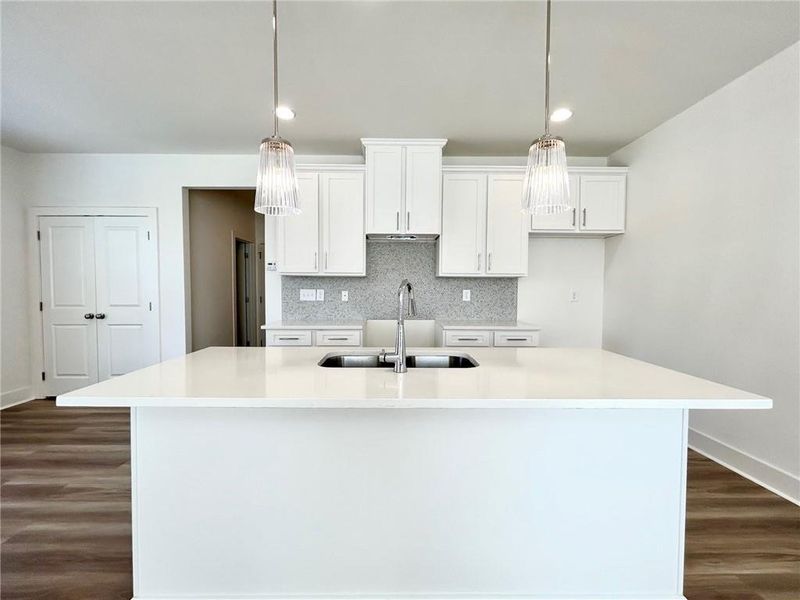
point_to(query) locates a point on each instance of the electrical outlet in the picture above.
(344, 296)
(308, 295)
(320, 295)
(466, 295)
(573, 296)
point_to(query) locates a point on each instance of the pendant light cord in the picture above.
(275, 67)
(547, 76)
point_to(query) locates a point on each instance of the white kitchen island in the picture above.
(542, 473)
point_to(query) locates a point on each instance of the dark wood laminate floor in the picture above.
(65, 516)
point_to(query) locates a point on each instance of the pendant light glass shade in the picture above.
(276, 185)
(546, 186)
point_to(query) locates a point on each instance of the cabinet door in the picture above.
(423, 190)
(462, 243)
(506, 227)
(298, 235)
(384, 188)
(602, 203)
(126, 260)
(565, 221)
(69, 326)
(344, 242)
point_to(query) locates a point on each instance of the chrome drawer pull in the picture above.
(516, 339)
(338, 339)
(467, 339)
(289, 339)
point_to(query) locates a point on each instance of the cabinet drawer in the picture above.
(292, 337)
(467, 338)
(338, 337)
(516, 338)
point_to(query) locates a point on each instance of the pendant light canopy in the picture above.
(546, 186)
(276, 186)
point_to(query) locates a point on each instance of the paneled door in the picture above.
(68, 302)
(126, 286)
(298, 235)
(506, 227)
(461, 247)
(99, 289)
(343, 223)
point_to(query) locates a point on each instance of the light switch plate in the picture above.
(320, 295)
(466, 295)
(308, 295)
(345, 296)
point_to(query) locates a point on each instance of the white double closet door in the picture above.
(99, 293)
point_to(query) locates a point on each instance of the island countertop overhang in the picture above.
(505, 378)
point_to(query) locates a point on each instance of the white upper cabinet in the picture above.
(602, 202)
(506, 226)
(598, 194)
(298, 235)
(462, 243)
(384, 188)
(404, 185)
(423, 189)
(327, 238)
(343, 240)
(564, 221)
(484, 232)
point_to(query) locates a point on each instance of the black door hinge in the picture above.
(42, 375)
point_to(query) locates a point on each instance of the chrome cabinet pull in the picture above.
(338, 339)
(100, 315)
(408, 221)
(289, 339)
(326, 260)
(397, 221)
(467, 339)
(516, 339)
(88, 316)
(478, 266)
(574, 211)
(315, 261)
(584, 218)
(489, 266)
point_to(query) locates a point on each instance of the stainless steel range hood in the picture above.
(402, 237)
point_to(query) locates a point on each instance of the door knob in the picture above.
(100, 316)
(88, 316)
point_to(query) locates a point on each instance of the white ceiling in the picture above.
(194, 77)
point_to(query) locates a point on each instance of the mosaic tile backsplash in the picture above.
(375, 296)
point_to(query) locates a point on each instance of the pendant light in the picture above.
(546, 186)
(276, 187)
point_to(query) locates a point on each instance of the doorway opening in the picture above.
(225, 256)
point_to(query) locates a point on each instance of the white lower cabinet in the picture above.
(512, 335)
(327, 238)
(484, 233)
(598, 195)
(291, 336)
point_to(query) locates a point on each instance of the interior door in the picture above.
(298, 235)
(423, 189)
(564, 221)
(126, 280)
(343, 223)
(506, 227)
(462, 244)
(69, 327)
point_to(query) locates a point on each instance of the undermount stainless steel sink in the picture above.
(418, 361)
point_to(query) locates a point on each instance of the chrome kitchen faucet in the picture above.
(399, 355)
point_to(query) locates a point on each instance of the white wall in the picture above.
(706, 279)
(15, 305)
(556, 268)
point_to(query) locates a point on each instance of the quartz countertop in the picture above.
(314, 325)
(505, 378)
(488, 325)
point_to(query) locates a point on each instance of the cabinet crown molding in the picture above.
(438, 142)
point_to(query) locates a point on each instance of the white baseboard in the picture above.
(17, 396)
(768, 476)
